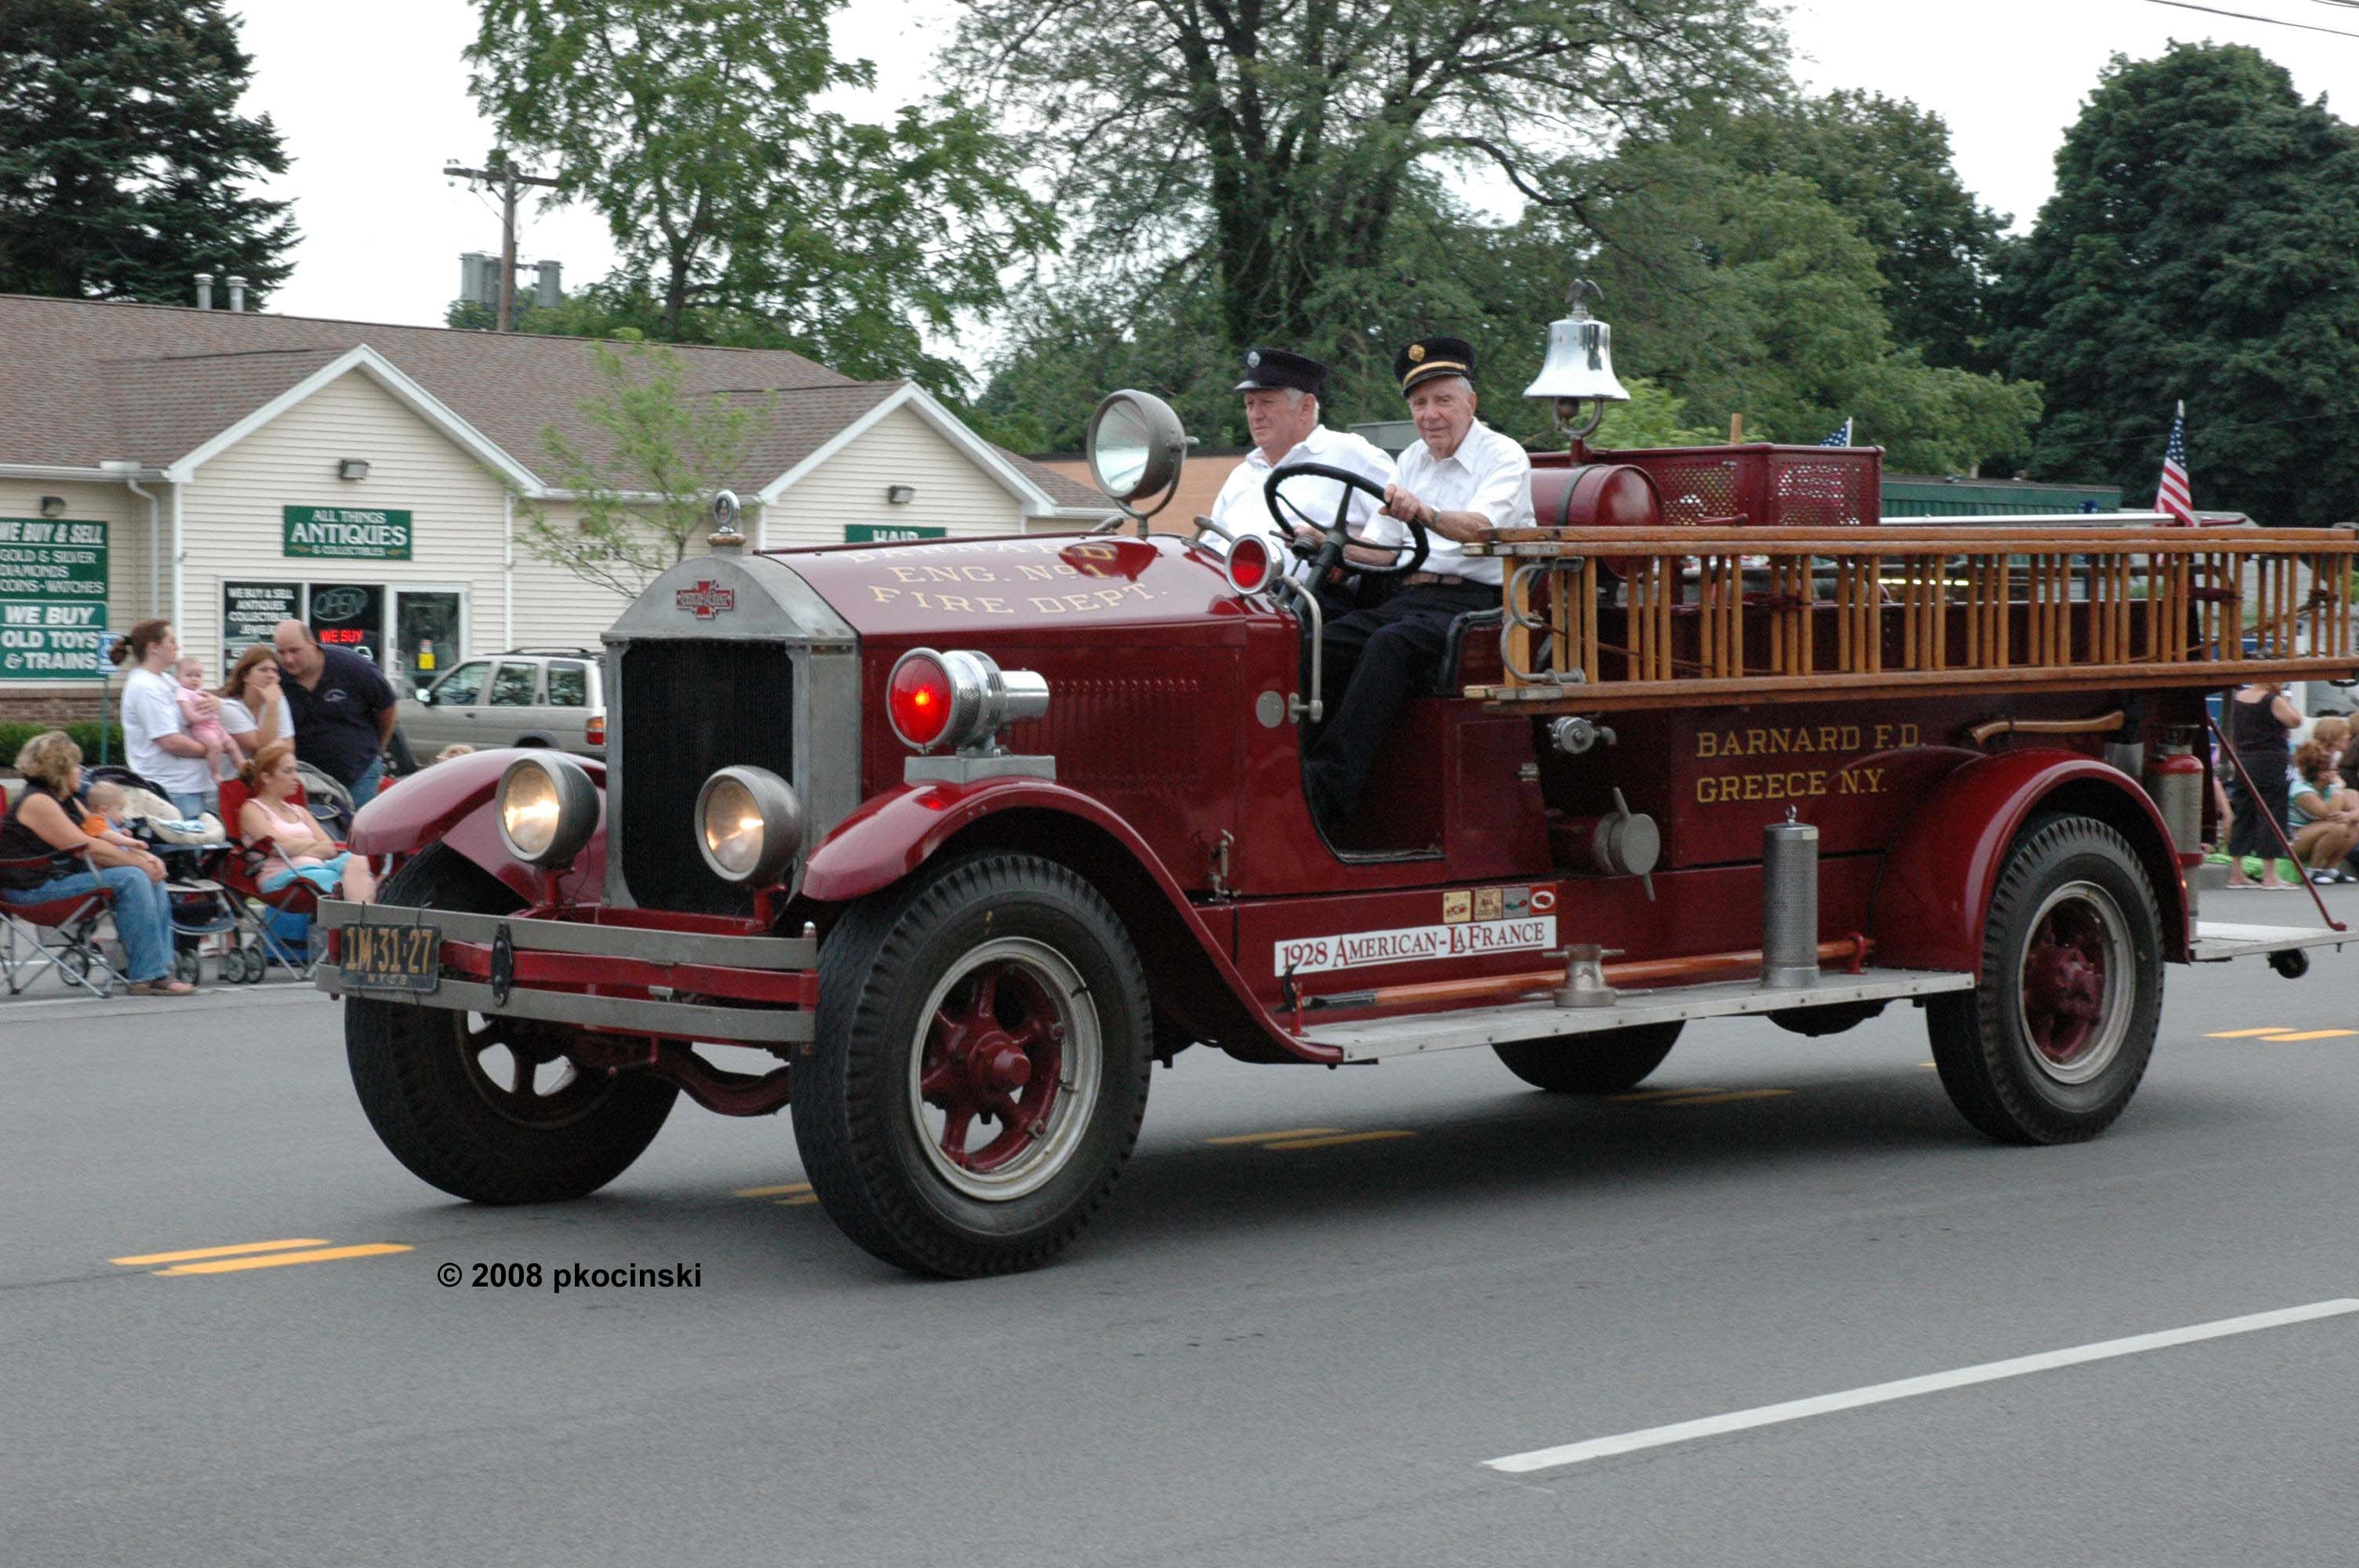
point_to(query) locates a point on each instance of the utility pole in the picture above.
(503, 177)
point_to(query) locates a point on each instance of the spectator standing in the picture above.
(254, 709)
(46, 819)
(341, 706)
(2260, 716)
(156, 741)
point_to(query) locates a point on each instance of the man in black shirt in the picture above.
(343, 708)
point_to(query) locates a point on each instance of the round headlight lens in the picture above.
(547, 809)
(919, 698)
(749, 824)
(733, 827)
(529, 813)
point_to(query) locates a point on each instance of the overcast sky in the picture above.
(370, 116)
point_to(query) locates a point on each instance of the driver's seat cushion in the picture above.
(1469, 653)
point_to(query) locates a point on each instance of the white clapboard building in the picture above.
(223, 469)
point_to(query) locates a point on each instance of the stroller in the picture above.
(192, 853)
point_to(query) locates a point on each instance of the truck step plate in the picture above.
(2217, 940)
(1370, 1038)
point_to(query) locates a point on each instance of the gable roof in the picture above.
(84, 383)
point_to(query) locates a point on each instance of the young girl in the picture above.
(200, 714)
(299, 847)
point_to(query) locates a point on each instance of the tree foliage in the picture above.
(1885, 165)
(738, 205)
(123, 162)
(644, 494)
(1271, 147)
(2202, 244)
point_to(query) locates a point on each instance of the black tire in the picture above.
(186, 965)
(893, 973)
(422, 1079)
(2051, 1043)
(1604, 1063)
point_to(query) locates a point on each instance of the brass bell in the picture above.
(1580, 364)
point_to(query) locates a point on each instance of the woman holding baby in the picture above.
(158, 740)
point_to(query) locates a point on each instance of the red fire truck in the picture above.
(967, 834)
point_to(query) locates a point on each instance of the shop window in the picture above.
(463, 687)
(568, 684)
(515, 685)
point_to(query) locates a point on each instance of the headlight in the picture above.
(548, 808)
(749, 824)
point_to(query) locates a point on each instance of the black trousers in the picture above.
(1373, 661)
(2248, 834)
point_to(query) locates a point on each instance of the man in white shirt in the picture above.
(1282, 391)
(1461, 481)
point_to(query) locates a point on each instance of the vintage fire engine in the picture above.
(967, 834)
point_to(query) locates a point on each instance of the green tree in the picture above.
(1274, 147)
(123, 161)
(742, 210)
(2202, 244)
(642, 483)
(1884, 164)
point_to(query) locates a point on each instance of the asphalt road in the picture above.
(1258, 1355)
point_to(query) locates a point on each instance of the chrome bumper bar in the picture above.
(637, 945)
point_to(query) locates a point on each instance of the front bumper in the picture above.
(604, 971)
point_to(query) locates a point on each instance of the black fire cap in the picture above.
(1430, 357)
(1268, 369)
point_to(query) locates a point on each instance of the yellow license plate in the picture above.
(392, 957)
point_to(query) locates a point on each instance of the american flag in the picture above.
(2173, 497)
(1841, 436)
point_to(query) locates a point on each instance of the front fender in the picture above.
(1932, 895)
(451, 804)
(895, 833)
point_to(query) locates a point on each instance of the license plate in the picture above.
(391, 958)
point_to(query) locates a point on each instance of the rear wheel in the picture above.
(1604, 1063)
(981, 1068)
(2051, 1043)
(490, 1108)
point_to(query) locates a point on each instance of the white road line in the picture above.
(1909, 1388)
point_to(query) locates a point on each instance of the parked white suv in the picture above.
(526, 697)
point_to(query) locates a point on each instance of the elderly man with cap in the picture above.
(1282, 391)
(1460, 480)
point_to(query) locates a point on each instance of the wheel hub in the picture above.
(2073, 976)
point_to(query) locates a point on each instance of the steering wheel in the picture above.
(1406, 558)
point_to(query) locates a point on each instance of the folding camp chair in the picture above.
(240, 871)
(58, 934)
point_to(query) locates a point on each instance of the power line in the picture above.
(2248, 16)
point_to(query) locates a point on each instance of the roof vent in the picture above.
(204, 291)
(237, 293)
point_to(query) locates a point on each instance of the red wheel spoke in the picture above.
(520, 1074)
(954, 1131)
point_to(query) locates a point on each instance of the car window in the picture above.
(515, 684)
(464, 685)
(568, 684)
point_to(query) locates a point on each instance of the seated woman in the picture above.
(298, 846)
(2325, 814)
(48, 818)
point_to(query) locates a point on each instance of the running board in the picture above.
(2217, 941)
(1367, 1039)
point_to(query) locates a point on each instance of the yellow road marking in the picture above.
(1661, 1094)
(218, 1251)
(1929, 1064)
(1285, 1132)
(2311, 1035)
(1727, 1098)
(793, 1202)
(772, 1192)
(2245, 1034)
(1342, 1137)
(280, 1259)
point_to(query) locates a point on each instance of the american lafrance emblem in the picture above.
(705, 599)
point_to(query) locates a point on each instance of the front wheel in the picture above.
(981, 1068)
(2051, 1042)
(1604, 1063)
(489, 1108)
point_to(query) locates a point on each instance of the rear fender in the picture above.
(1194, 981)
(1934, 891)
(451, 804)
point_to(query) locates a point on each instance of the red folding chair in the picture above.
(59, 934)
(241, 873)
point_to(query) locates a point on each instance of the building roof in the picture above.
(84, 383)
